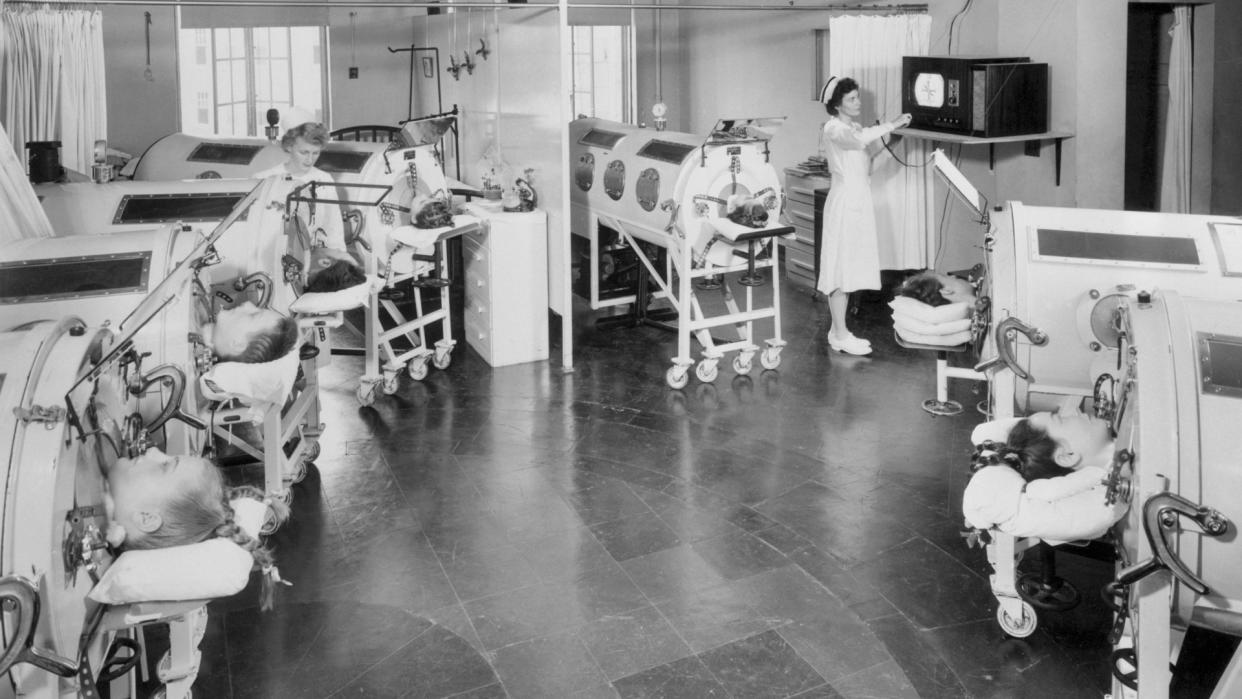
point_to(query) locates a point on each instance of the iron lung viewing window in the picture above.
(97, 275)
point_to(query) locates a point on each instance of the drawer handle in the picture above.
(803, 190)
(803, 215)
(803, 265)
(478, 282)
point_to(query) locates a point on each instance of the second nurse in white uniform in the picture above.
(849, 255)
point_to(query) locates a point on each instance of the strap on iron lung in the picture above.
(114, 666)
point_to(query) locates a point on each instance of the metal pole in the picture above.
(883, 9)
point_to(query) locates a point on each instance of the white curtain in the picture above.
(869, 49)
(20, 210)
(52, 81)
(1175, 159)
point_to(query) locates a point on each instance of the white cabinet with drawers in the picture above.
(506, 268)
(801, 253)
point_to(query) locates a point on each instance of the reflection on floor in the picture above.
(524, 532)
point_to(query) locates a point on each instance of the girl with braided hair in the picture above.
(1051, 444)
(1045, 479)
(156, 500)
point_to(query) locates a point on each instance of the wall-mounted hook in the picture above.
(483, 51)
(454, 68)
(468, 63)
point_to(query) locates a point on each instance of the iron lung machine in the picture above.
(52, 542)
(150, 282)
(660, 207)
(1057, 275)
(82, 208)
(180, 156)
(1177, 411)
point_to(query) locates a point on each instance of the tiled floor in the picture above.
(526, 532)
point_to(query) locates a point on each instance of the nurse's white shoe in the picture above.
(850, 345)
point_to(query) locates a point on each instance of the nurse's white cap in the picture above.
(294, 116)
(826, 93)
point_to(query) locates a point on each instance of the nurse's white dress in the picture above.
(849, 257)
(273, 244)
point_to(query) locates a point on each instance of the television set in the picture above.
(982, 96)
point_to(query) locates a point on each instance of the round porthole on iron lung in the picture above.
(647, 189)
(614, 180)
(584, 172)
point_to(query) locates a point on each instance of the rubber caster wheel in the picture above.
(391, 384)
(313, 451)
(366, 394)
(297, 471)
(1018, 628)
(742, 368)
(706, 371)
(442, 361)
(417, 369)
(677, 377)
(770, 358)
(1058, 595)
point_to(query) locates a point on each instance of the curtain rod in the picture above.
(381, 4)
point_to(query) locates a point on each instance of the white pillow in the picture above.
(264, 382)
(212, 568)
(931, 314)
(994, 430)
(321, 302)
(950, 340)
(903, 322)
(997, 497)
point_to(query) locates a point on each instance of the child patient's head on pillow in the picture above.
(156, 500)
(936, 289)
(250, 334)
(1050, 444)
(333, 270)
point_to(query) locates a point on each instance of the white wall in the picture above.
(724, 76)
(380, 93)
(140, 110)
(511, 101)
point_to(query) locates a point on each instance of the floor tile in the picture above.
(763, 665)
(523, 531)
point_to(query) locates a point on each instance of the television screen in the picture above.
(929, 90)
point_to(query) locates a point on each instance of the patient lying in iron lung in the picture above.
(1053, 486)
(333, 270)
(250, 334)
(937, 289)
(1058, 443)
(752, 212)
(156, 500)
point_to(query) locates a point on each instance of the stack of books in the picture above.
(814, 165)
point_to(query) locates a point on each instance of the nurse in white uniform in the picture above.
(303, 141)
(849, 256)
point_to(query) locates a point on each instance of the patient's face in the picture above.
(148, 482)
(236, 327)
(955, 288)
(1086, 435)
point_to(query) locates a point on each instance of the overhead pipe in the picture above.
(378, 4)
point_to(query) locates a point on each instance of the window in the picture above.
(603, 74)
(231, 76)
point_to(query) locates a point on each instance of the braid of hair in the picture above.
(989, 453)
(262, 555)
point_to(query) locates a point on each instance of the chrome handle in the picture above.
(21, 599)
(1007, 332)
(1160, 515)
